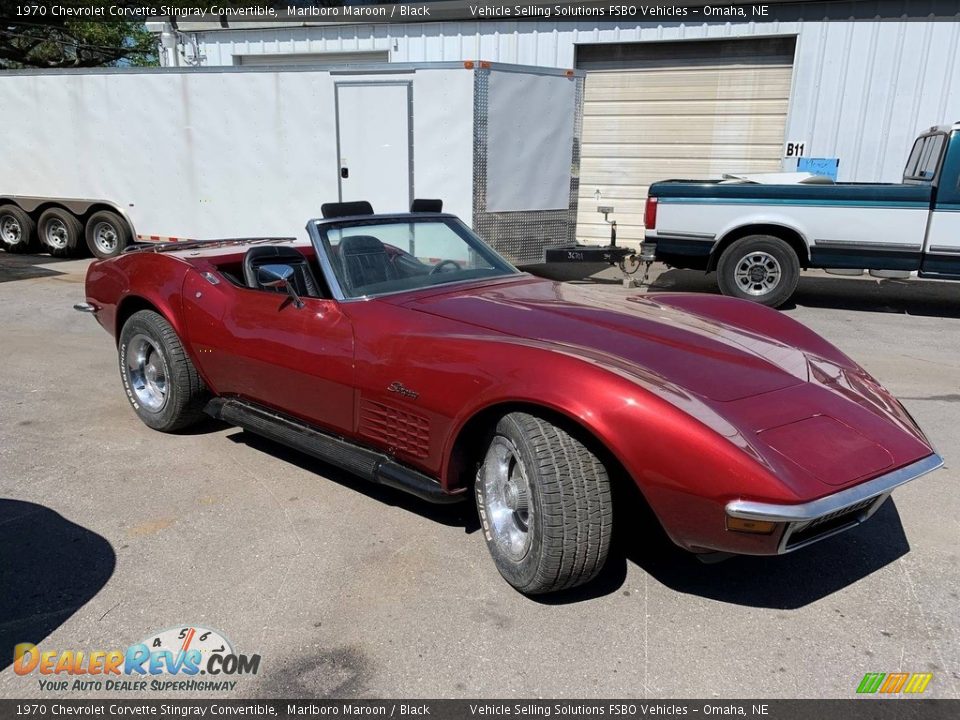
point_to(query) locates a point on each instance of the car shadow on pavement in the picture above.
(904, 297)
(785, 582)
(50, 568)
(25, 267)
(460, 514)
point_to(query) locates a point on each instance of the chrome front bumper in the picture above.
(816, 520)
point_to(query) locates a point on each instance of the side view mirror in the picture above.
(280, 277)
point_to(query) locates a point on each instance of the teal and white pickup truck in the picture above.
(757, 235)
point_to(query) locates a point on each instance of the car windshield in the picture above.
(376, 257)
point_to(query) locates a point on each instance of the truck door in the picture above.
(375, 143)
(942, 247)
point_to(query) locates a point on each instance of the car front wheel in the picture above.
(545, 505)
(160, 380)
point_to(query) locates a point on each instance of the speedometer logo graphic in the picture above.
(183, 639)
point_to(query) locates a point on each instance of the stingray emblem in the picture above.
(401, 389)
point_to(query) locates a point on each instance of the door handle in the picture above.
(344, 172)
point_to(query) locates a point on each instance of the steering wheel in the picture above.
(436, 268)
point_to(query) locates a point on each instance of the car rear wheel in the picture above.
(761, 268)
(107, 234)
(160, 380)
(17, 230)
(60, 233)
(545, 505)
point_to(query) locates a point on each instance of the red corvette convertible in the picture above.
(403, 349)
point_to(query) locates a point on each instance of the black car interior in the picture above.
(304, 282)
(365, 261)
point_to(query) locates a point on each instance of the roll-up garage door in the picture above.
(661, 110)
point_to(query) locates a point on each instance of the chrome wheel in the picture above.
(55, 234)
(10, 230)
(105, 237)
(758, 273)
(147, 372)
(507, 493)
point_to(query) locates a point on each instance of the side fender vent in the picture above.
(403, 431)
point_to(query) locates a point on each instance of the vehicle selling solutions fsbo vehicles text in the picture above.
(615, 10)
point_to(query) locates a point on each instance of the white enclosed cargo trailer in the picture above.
(99, 158)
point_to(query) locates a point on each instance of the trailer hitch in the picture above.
(626, 259)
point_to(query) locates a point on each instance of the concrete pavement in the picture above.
(110, 532)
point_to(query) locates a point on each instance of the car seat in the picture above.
(304, 283)
(365, 261)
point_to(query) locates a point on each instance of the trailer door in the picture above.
(375, 144)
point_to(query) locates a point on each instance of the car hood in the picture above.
(711, 359)
(772, 398)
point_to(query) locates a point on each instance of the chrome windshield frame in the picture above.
(317, 226)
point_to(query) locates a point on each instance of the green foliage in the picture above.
(41, 40)
(44, 41)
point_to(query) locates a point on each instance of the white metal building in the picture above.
(676, 99)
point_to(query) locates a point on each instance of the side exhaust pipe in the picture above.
(368, 464)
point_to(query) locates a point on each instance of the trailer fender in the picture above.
(81, 208)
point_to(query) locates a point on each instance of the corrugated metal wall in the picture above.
(861, 90)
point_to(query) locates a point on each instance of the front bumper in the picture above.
(816, 520)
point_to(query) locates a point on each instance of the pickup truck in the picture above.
(757, 236)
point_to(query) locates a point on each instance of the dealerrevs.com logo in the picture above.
(171, 660)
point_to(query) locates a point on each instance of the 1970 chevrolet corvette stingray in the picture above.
(403, 349)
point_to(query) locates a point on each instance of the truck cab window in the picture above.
(925, 158)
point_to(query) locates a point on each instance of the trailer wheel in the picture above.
(760, 268)
(60, 233)
(107, 234)
(17, 230)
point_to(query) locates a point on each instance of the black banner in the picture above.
(234, 13)
(853, 709)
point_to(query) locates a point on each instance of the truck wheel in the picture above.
(17, 230)
(761, 268)
(60, 233)
(159, 378)
(545, 506)
(107, 234)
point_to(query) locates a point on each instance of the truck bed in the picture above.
(847, 194)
